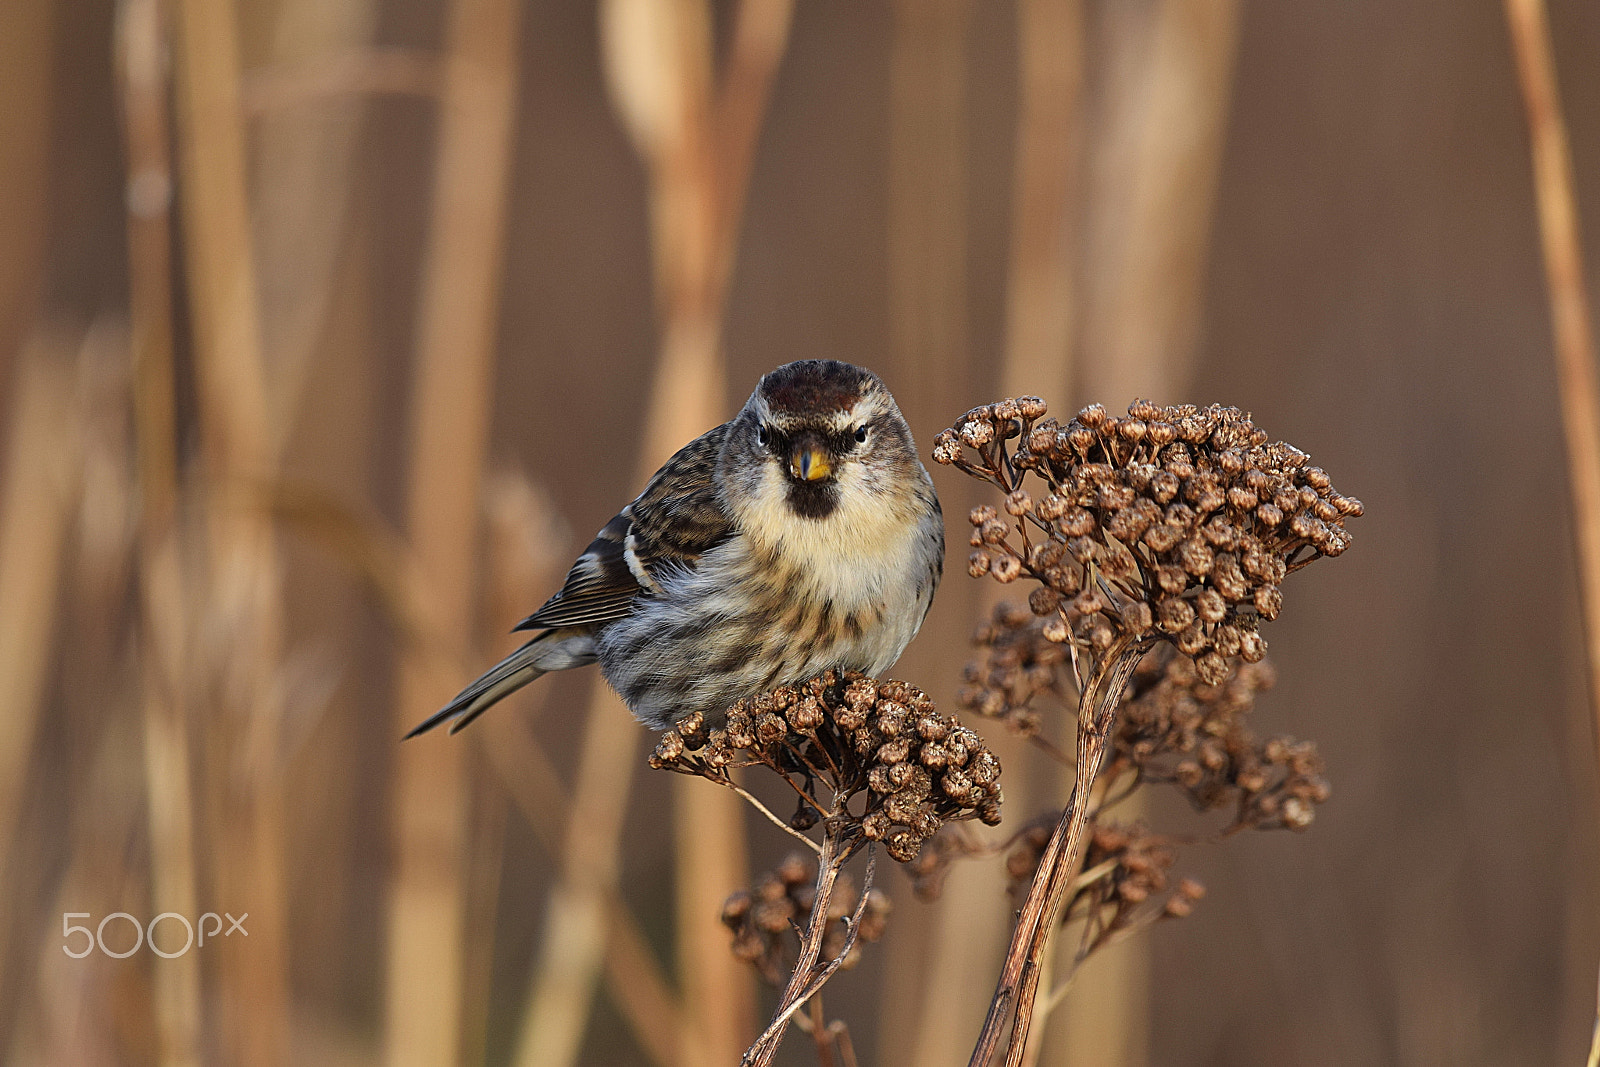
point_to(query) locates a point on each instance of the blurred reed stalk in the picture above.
(242, 621)
(525, 553)
(92, 1010)
(514, 755)
(520, 764)
(143, 44)
(642, 50)
(928, 199)
(303, 160)
(453, 379)
(354, 71)
(698, 142)
(1567, 284)
(929, 980)
(700, 165)
(40, 489)
(573, 939)
(1157, 136)
(1569, 308)
(1161, 126)
(27, 55)
(633, 976)
(1044, 199)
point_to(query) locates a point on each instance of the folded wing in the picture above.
(677, 519)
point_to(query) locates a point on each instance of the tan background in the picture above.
(1319, 212)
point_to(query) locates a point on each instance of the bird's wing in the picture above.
(675, 521)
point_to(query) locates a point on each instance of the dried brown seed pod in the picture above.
(1180, 502)
(765, 920)
(844, 735)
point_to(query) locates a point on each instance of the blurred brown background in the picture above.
(329, 329)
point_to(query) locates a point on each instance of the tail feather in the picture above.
(501, 680)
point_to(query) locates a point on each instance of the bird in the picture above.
(800, 536)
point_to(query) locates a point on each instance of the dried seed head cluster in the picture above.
(850, 735)
(1026, 849)
(766, 918)
(1173, 727)
(1138, 863)
(1018, 665)
(1173, 522)
(1125, 880)
(1177, 727)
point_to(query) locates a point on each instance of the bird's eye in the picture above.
(762, 435)
(861, 433)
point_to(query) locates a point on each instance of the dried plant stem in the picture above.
(1019, 975)
(829, 862)
(846, 1047)
(819, 1033)
(1036, 1037)
(807, 977)
(1594, 1041)
(772, 818)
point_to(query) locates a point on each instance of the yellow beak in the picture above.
(809, 464)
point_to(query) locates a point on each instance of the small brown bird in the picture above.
(803, 535)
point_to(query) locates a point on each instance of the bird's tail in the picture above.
(539, 656)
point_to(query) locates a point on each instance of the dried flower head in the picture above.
(766, 918)
(1135, 862)
(1026, 849)
(1177, 727)
(1173, 523)
(841, 735)
(1170, 527)
(1124, 883)
(1019, 664)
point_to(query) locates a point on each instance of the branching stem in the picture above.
(779, 823)
(1019, 976)
(807, 977)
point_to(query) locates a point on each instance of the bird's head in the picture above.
(817, 435)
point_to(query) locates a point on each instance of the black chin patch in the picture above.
(813, 500)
